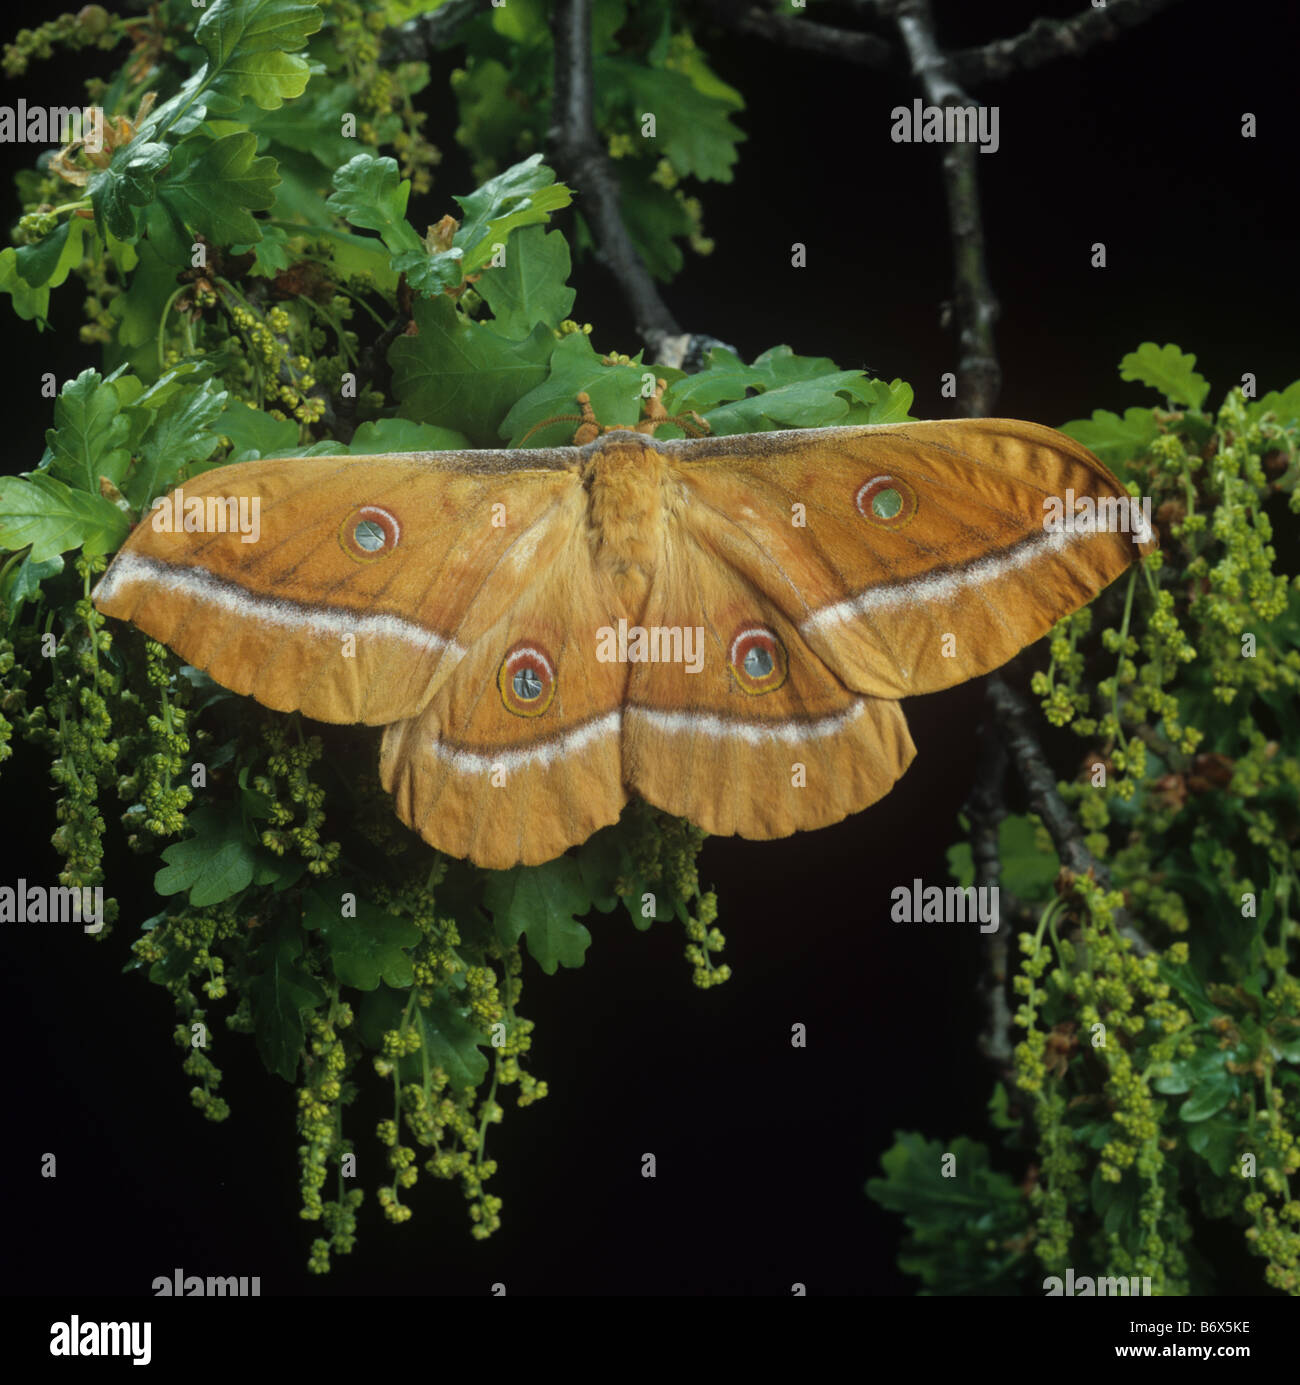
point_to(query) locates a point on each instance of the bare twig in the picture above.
(1043, 41)
(987, 809)
(943, 77)
(1015, 721)
(1048, 39)
(847, 45)
(584, 165)
(979, 377)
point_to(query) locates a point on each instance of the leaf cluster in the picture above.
(1152, 1090)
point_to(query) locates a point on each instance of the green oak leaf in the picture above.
(300, 195)
(22, 582)
(89, 434)
(727, 377)
(278, 993)
(1213, 1091)
(128, 183)
(615, 392)
(312, 124)
(1029, 869)
(360, 258)
(51, 260)
(462, 375)
(491, 120)
(692, 127)
(541, 902)
(214, 192)
(878, 403)
(655, 219)
(185, 430)
(142, 406)
(1215, 1140)
(803, 404)
(253, 432)
(531, 286)
(602, 861)
(1167, 369)
(403, 435)
(251, 47)
(213, 864)
(1113, 439)
(429, 273)
(139, 307)
(526, 193)
(30, 304)
(452, 1042)
(365, 949)
(36, 262)
(368, 192)
(41, 511)
(958, 1226)
(273, 253)
(1284, 404)
(605, 863)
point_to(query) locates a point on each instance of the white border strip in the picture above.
(547, 752)
(751, 732)
(229, 598)
(544, 753)
(942, 586)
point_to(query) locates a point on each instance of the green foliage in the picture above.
(1148, 1084)
(664, 114)
(1028, 860)
(966, 1220)
(256, 288)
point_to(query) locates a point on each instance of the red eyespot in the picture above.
(526, 679)
(887, 501)
(369, 533)
(758, 659)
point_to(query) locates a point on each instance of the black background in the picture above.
(762, 1150)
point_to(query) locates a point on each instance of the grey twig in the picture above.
(1047, 39)
(1015, 721)
(583, 163)
(846, 45)
(979, 376)
(986, 809)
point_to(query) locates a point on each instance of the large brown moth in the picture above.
(723, 625)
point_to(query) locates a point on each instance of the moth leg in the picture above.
(588, 429)
(654, 411)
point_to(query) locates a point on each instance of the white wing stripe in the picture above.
(230, 599)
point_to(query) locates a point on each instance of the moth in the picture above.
(722, 625)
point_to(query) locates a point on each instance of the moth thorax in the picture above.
(627, 497)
